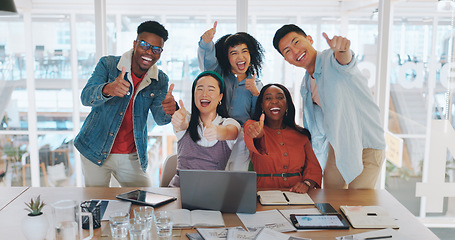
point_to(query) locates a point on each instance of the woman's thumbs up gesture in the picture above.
(179, 120)
(256, 130)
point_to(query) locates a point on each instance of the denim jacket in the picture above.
(101, 126)
(240, 103)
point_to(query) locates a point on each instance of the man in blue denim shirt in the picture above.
(338, 109)
(121, 91)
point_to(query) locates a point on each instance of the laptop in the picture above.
(225, 191)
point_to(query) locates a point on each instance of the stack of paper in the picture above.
(272, 219)
(238, 233)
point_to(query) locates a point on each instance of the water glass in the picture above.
(119, 222)
(164, 223)
(146, 214)
(67, 220)
(138, 229)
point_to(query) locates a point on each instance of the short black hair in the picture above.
(153, 27)
(283, 31)
(230, 40)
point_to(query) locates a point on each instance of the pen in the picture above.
(378, 237)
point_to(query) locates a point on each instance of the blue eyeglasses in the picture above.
(146, 46)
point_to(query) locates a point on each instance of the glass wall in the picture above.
(414, 42)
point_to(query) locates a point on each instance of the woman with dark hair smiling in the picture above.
(280, 150)
(205, 138)
(238, 59)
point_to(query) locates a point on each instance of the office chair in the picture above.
(169, 170)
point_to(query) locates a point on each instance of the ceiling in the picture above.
(269, 8)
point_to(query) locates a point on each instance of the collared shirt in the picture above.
(217, 121)
(347, 116)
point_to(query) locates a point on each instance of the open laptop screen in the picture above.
(225, 191)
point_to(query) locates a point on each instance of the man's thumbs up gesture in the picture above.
(256, 130)
(119, 88)
(179, 120)
(168, 103)
(340, 45)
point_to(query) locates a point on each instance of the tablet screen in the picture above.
(319, 221)
(144, 197)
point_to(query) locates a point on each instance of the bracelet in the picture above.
(308, 183)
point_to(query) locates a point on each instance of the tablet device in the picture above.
(326, 208)
(141, 197)
(323, 221)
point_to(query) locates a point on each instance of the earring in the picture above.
(286, 113)
(219, 103)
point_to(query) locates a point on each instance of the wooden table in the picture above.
(8, 194)
(11, 216)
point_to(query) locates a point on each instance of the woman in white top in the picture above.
(205, 138)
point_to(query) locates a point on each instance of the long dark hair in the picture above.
(289, 117)
(195, 113)
(230, 40)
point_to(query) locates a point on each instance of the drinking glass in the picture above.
(138, 229)
(164, 223)
(67, 220)
(145, 213)
(119, 222)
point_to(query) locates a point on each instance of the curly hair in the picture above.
(153, 27)
(230, 40)
(289, 118)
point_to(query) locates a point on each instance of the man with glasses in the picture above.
(121, 91)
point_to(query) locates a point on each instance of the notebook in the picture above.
(225, 191)
(368, 217)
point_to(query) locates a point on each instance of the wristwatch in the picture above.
(308, 183)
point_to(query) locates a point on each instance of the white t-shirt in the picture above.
(200, 128)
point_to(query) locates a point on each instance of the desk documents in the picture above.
(269, 234)
(383, 234)
(368, 217)
(276, 197)
(239, 233)
(109, 206)
(272, 219)
(184, 218)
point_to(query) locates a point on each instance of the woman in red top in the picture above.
(280, 150)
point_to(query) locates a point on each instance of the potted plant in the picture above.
(35, 224)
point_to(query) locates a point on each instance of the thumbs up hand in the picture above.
(256, 129)
(168, 103)
(210, 131)
(179, 120)
(119, 88)
(337, 43)
(209, 34)
(340, 46)
(250, 84)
